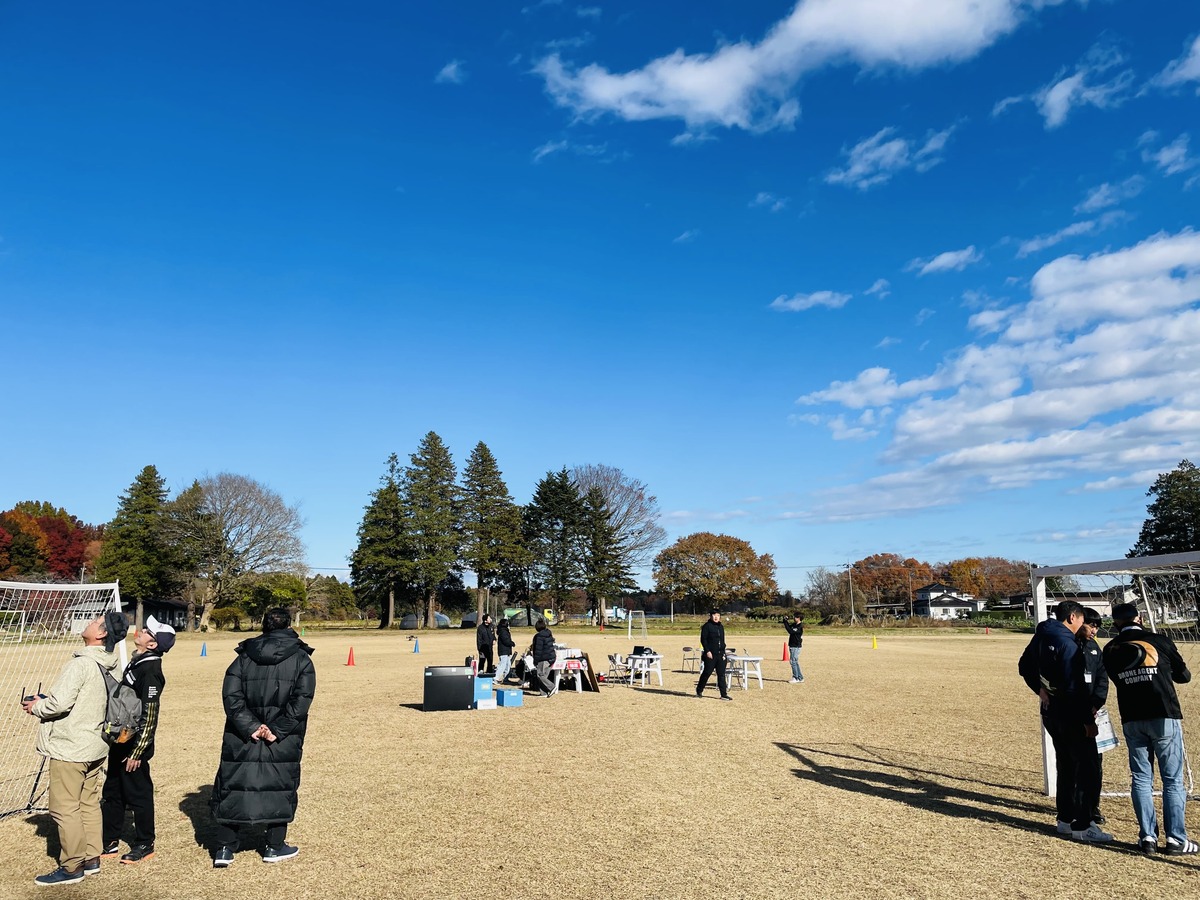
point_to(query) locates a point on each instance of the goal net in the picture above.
(637, 623)
(1166, 590)
(40, 625)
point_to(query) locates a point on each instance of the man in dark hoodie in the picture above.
(484, 638)
(504, 649)
(712, 643)
(267, 692)
(128, 784)
(544, 656)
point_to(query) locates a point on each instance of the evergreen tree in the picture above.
(136, 551)
(605, 571)
(1173, 524)
(379, 563)
(430, 499)
(491, 522)
(553, 529)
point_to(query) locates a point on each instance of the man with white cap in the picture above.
(129, 784)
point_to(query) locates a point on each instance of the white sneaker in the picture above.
(1092, 835)
(1063, 827)
(794, 681)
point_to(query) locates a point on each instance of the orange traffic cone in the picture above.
(350, 660)
(785, 656)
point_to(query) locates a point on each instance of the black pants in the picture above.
(1078, 773)
(230, 835)
(718, 663)
(133, 790)
(486, 666)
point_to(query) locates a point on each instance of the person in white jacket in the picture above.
(71, 715)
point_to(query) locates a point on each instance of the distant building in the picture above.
(940, 601)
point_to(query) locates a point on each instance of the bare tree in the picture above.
(249, 529)
(634, 510)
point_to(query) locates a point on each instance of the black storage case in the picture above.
(449, 687)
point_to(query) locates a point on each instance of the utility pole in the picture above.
(850, 579)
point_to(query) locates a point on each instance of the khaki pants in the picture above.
(75, 809)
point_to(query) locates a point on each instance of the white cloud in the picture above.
(770, 201)
(599, 152)
(1087, 226)
(588, 12)
(1182, 70)
(688, 236)
(1085, 87)
(1094, 381)
(548, 148)
(887, 342)
(1106, 195)
(881, 288)
(800, 302)
(452, 73)
(876, 159)
(950, 261)
(748, 84)
(1172, 158)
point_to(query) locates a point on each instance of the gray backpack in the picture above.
(123, 714)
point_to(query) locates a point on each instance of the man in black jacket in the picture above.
(484, 638)
(544, 656)
(128, 784)
(1090, 774)
(712, 642)
(795, 630)
(1145, 667)
(267, 693)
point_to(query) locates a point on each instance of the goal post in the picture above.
(1166, 589)
(637, 623)
(40, 625)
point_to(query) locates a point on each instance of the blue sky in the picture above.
(914, 276)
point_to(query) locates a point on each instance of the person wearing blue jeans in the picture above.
(1145, 667)
(795, 630)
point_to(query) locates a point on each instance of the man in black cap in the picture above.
(129, 784)
(712, 641)
(795, 630)
(484, 638)
(1145, 667)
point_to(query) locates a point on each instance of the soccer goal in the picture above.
(1166, 590)
(636, 623)
(40, 626)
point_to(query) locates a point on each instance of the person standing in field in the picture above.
(267, 693)
(484, 638)
(544, 657)
(69, 736)
(128, 784)
(504, 649)
(1145, 667)
(795, 630)
(712, 643)
(1090, 774)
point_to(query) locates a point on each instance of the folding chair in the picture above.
(618, 670)
(734, 673)
(691, 659)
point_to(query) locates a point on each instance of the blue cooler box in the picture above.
(509, 697)
(483, 687)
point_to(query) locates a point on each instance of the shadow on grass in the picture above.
(921, 782)
(195, 805)
(45, 828)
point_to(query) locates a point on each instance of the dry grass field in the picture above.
(911, 770)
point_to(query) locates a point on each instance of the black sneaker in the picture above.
(59, 876)
(699, 692)
(1148, 846)
(91, 866)
(280, 853)
(726, 697)
(1187, 848)
(112, 848)
(223, 858)
(137, 853)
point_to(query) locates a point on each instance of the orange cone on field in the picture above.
(785, 656)
(350, 660)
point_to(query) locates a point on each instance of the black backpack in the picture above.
(123, 714)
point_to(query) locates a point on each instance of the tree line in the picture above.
(574, 546)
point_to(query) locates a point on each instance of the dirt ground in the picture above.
(910, 770)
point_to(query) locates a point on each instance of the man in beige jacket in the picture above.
(69, 736)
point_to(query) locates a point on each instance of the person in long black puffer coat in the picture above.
(267, 693)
